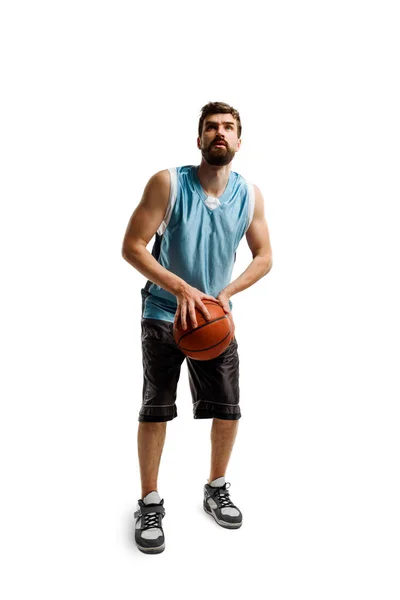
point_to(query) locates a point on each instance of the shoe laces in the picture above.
(223, 495)
(151, 520)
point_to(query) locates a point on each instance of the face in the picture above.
(219, 139)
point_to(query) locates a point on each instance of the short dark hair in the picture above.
(213, 108)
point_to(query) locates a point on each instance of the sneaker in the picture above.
(149, 535)
(218, 504)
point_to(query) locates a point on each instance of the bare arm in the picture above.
(257, 237)
(142, 226)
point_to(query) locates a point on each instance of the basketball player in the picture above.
(199, 215)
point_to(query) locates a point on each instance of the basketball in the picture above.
(210, 338)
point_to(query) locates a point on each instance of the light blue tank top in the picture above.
(198, 238)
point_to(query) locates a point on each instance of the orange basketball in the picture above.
(210, 338)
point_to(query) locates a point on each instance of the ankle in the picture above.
(147, 490)
(213, 477)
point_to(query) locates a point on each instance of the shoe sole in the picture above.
(222, 523)
(151, 550)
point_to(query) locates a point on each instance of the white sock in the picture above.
(152, 498)
(219, 482)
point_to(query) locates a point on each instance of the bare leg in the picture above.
(151, 437)
(223, 434)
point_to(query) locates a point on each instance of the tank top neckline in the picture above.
(203, 196)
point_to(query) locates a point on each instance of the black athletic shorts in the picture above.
(214, 384)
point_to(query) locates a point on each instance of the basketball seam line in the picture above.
(205, 349)
(201, 326)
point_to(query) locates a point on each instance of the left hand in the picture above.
(223, 299)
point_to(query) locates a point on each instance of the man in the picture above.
(199, 215)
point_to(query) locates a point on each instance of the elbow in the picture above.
(267, 265)
(270, 263)
(266, 260)
(124, 252)
(130, 250)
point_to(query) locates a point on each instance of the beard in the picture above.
(218, 156)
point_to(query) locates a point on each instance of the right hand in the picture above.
(188, 299)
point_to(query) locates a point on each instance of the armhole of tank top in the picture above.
(251, 203)
(173, 192)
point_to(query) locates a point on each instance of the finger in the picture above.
(192, 313)
(177, 316)
(183, 315)
(204, 311)
(225, 307)
(224, 304)
(208, 297)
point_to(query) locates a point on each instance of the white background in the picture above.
(98, 96)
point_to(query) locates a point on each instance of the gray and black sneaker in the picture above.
(149, 535)
(218, 504)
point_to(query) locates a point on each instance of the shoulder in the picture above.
(161, 177)
(167, 179)
(258, 202)
(167, 174)
(257, 192)
(254, 190)
(243, 181)
(162, 181)
(158, 187)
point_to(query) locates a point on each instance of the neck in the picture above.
(213, 178)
